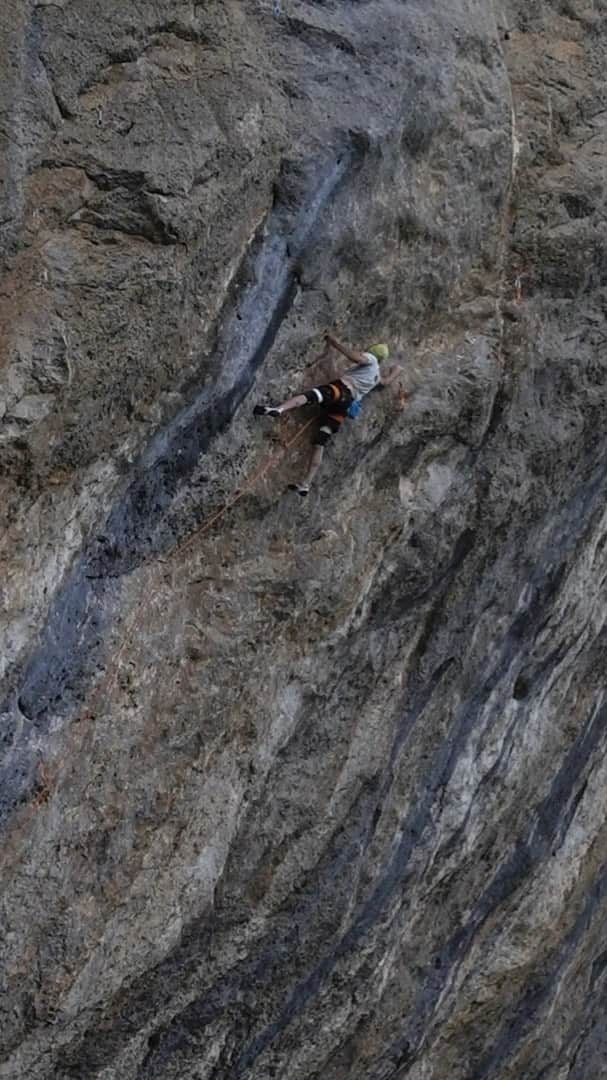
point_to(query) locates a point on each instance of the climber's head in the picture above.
(380, 352)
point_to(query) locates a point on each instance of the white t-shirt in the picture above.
(364, 376)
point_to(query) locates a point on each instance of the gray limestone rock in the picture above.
(302, 788)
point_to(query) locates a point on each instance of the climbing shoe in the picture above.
(301, 489)
(266, 410)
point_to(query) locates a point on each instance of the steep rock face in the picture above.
(302, 790)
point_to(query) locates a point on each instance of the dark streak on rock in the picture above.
(527, 1009)
(318, 36)
(546, 828)
(56, 677)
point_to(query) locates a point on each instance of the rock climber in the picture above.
(337, 399)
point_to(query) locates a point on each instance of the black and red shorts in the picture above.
(334, 399)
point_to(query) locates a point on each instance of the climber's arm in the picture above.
(391, 374)
(324, 355)
(350, 354)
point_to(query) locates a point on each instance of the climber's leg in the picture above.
(313, 467)
(330, 424)
(329, 395)
(278, 410)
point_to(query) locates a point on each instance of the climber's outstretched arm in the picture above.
(391, 374)
(324, 355)
(351, 354)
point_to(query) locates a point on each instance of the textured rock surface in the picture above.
(303, 791)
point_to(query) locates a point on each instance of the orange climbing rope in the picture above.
(142, 607)
(106, 682)
(274, 458)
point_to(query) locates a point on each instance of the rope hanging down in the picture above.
(272, 460)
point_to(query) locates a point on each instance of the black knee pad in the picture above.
(322, 436)
(313, 396)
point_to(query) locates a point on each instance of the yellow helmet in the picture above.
(380, 352)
